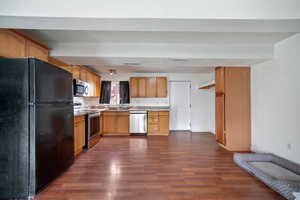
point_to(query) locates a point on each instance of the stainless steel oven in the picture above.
(80, 88)
(92, 129)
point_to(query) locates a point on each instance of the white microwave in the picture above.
(80, 88)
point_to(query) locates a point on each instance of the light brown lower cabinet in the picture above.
(158, 123)
(79, 134)
(115, 123)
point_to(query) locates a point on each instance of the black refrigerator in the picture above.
(36, 125)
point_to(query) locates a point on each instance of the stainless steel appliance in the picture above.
(92, 128)
(138, 122)
(36, 126)
(80, 88)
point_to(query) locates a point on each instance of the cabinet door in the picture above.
(220, 118)
(133, 87)
(122, 123)
(161, 87)
(36, 51)
(220, 80)
(151, 87)
(83, 74)
(91, 82)
(109, 122)
(12, 45)
(76, 71)
(142, 87)
(164, 123)
(60, 64)
(97, 85)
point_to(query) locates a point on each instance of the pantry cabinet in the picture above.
(158, 123)
(232, 87)
(148, 87)
(79, 134)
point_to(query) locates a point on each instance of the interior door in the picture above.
(180, 114)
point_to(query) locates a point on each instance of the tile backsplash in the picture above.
(86, 101)
(149, 101)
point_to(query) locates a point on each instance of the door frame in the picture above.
(190, 101)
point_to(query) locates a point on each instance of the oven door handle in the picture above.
(94, 115)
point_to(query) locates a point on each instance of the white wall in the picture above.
(199, 98)
(275, 93)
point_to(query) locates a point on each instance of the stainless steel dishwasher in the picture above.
(138, 122)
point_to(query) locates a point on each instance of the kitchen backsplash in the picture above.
(149, 101)
(86, 101)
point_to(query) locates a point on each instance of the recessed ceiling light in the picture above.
(131, 63)
(180, 60)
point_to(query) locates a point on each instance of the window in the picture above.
(113, 92)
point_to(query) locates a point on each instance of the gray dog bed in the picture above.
(280, 174)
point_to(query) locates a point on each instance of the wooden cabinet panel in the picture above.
(123, 123)
(12, 45)
(79, 134)
(233, 108)
(91, 81)
(109, 122)
(161, 87)
(164, 124)
(76, 71)
(151, 87)
(142, 87)
(59, 64)
(220, 119)
(116, 123)
(134, 87)
(158, 123)
(148, 87)
(83, 74)
(36, 51)
(97, 81)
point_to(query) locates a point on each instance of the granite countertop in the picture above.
(121, 109)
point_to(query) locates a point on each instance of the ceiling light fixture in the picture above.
(112, 71)
(131, 63)
(180, 60)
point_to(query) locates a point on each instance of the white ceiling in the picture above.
(106, 34)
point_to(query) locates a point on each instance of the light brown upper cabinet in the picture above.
(148, 87)
(12, 45)
(142, 86)
(151, 87)
(134, 87)
(60, 64)
(84, 74)
(76, 72)
(35, 50)
(161, 87)
(233, 107)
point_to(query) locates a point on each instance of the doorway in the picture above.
(180, 103)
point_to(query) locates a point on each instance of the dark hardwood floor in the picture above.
(183, 166)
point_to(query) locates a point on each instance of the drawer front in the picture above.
(79, 119)
(153, 128)
(153, 119)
